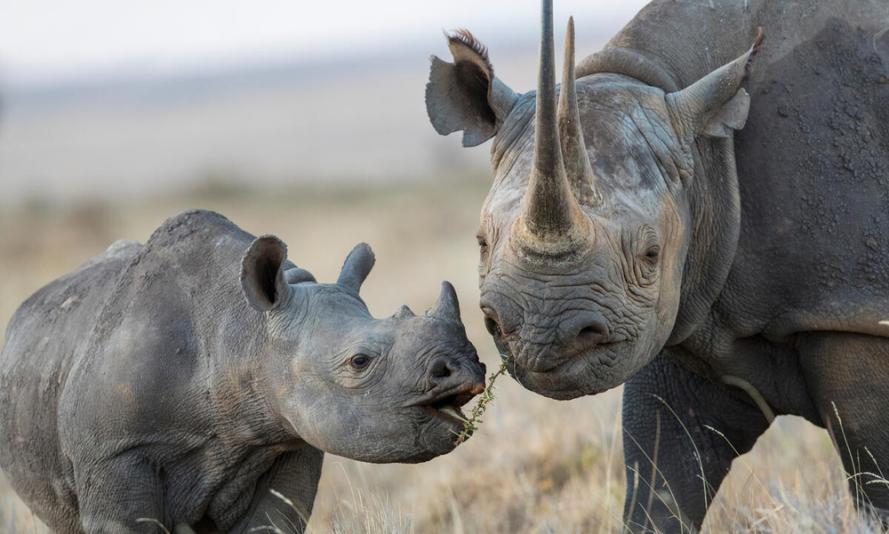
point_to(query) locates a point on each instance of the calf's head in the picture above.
(585, 232)
(376, 390)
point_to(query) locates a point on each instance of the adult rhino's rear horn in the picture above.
(551, 213)
(577, 162)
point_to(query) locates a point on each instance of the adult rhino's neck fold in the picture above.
(715, 207)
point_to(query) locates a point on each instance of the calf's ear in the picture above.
(465, 95)
(716, 104)
(262, 273)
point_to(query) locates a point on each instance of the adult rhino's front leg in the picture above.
(848, 379)
(675, 460)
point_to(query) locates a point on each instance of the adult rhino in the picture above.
(179, 382)
(636, 234)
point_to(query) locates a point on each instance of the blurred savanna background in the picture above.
(307, 120)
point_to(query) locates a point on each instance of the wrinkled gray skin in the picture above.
(152, 383)
(642, 234)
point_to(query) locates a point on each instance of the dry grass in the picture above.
(535, 465)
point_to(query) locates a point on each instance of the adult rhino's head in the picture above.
(585, 233)
(376, 390)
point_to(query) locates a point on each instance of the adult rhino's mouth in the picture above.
(576, 373)
(447, 404)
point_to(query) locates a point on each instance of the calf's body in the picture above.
(146, 386)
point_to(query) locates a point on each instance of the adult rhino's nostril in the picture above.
(593, 333)
(584, 332)
(493, 327)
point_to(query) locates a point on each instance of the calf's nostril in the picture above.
(440, 369)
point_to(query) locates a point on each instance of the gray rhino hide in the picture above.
(144, 385)
(725, 272)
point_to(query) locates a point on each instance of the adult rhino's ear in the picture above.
(716, 104)
(262, 273)
(357, 266)
(465, 95)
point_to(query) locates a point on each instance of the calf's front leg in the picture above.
(122, 495)
(294, 480)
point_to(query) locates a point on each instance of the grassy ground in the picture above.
(536, 465)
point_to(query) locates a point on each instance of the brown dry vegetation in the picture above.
(536, 465)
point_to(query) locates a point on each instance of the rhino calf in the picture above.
(180, 382)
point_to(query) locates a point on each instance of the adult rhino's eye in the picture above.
(653, 253)
(359, 362)
(482, 242)
(651, 250)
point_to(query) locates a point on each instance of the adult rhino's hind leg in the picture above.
(848, 379)
(681, 433)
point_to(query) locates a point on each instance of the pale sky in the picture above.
(47, 39)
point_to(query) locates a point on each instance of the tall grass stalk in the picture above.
(475, 416)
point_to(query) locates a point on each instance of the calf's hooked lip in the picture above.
(446, 403)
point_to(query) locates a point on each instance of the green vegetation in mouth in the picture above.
(475, 416)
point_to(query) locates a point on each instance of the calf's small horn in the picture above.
(447, 306)
(404, 313)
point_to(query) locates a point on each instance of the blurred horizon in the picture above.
(47, 42)
(101, 101)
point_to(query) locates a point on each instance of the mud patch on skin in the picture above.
(125, 393)
(828, 184)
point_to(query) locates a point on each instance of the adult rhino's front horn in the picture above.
(552, 220)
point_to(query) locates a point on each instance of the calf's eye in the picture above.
(359, 361)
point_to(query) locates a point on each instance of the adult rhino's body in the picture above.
(726, 272)
(179, 382)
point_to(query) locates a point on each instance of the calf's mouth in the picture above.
(447, 403)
